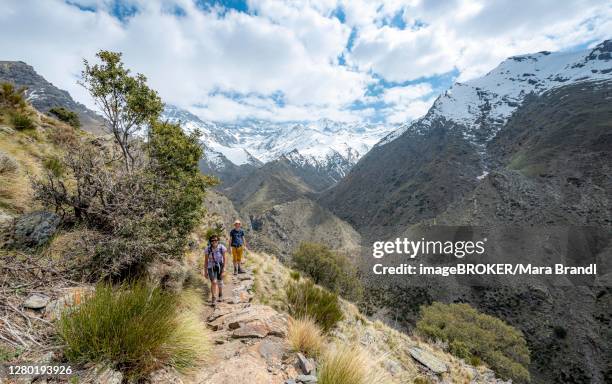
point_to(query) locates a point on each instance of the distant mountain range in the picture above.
(327, 147)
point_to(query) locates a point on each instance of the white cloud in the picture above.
(474, 36)
(400, 95)
(292, 48)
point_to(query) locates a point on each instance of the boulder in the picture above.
(252, 329)
(68, 298)
(306, 365)
(427, 359)
(35, 229)
(36, 301)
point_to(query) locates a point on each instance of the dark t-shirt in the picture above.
(237, 237)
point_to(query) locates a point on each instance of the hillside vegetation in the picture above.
(95, 230)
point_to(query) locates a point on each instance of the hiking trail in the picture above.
(249, 340)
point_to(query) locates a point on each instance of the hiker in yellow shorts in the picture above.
(238, 246)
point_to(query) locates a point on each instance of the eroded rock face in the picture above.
(35, 229)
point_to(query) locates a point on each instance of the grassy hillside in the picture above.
(22, 153)
(384, 344)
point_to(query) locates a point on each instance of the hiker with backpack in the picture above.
(238, 246)
(215, 259)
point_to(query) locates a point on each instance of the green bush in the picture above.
(295, 275)
(330, 269)
(135, 328)
(472, 335)
(305, 299)
(21, 121)
(67, 116)
(12, 98)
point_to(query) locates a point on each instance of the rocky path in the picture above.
(249, 340)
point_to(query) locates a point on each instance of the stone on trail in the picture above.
(306, 365)
(306, 379)
(428, 360)
(252, 321)
(252, 329)
(36, 301)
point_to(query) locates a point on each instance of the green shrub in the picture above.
(135, 328)
(54, 165)
(67, 116)
(330, 269)
(21, 121)
(295, 275)
(305, 299)
(472, 334)
(11, 97)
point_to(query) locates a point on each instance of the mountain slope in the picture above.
(43, 95)
(436, 160)
(274, 183)
(508, 154)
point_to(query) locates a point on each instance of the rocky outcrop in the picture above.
(428, 360)
(35, 229)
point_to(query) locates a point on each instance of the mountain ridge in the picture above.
(43, 95)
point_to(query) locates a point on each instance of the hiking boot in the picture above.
(235, 271)
(240, 270)
(213, 302)
(220, 299)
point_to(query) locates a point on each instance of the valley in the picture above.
(521, 156)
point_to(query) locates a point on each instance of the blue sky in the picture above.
(356, 60)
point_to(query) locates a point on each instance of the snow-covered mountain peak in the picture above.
(482, 105)
(321, 144)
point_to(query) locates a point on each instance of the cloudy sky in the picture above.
(348, 60)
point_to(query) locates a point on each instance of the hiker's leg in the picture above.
(235, 259)
(213, 289)
(213, 276)
(220, 284)
(239, 252)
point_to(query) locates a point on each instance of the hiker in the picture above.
(238, 245)
(215, 259)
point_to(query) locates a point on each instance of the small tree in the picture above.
(11, 97)
(126, 101)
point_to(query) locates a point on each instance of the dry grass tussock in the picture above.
(136, 328)
(305, 336)
(351, 364)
